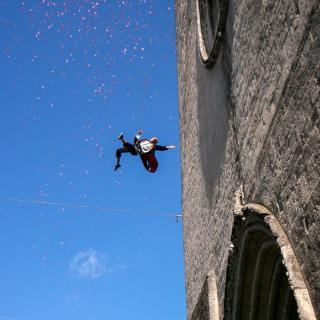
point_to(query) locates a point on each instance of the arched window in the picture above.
(211, 19)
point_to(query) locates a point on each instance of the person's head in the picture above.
(154, 140)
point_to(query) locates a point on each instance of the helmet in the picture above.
(154, 140)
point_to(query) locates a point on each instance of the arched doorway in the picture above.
(264, 280)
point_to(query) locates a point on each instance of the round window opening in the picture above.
(211, 19)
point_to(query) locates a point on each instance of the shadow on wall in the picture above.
(214, 106)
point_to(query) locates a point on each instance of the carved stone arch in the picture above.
(264, 280)
(211, 21)
(207, 307)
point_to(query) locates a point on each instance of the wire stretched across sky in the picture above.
(83, 206)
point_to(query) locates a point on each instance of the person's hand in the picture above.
(171, 147)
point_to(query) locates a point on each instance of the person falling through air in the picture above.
(144, 148)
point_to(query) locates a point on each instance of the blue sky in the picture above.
(74, 75)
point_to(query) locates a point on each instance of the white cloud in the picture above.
(88, 264)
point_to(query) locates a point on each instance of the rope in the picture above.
(81, 206)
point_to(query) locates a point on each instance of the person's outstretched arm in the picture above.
(163, 148)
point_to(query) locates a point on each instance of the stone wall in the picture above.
(252, 119)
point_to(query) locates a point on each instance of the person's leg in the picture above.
(149, 162)
(127, 145)
(153, 163)
(144, 161)
(130, 147)
(120, 137)
(118, 156)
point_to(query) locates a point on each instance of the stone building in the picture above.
(249, 86)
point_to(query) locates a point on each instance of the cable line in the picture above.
(82, 206)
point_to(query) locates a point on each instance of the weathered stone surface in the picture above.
(253, 119)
